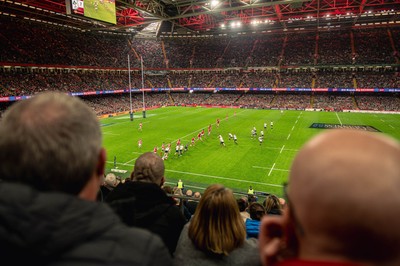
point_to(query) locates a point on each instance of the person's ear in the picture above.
(91, 188)
(162, 181)
(277, 239)
(271, 238)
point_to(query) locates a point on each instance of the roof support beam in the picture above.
(227, 9)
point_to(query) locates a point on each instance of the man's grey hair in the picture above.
(149, 167)
(51, 141)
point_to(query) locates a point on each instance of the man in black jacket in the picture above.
(141, 202)
(51, 166)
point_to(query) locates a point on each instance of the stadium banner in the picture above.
(372, 112)
(202, 89)
(348, 126)
(313, 109)
(160, 89)
(17, 98)
(76, 93)
(89, 93)
(108, 92)
(137, 90)
(261, 89)
(133, 90)
(4, 99)
(226, 89)
(341, 90)
(378, 90)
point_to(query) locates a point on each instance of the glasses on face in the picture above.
(292, 213)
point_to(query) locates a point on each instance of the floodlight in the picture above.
(214, 3)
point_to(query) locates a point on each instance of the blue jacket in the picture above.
(252, 228)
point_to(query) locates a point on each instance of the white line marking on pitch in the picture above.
(270, 171)
(391, 126)
(216, 177)
(275, 169)
(382, 120)
(296, 121)
(288, 136)
(340, 121)
(291, 150)
(282, 148)
(130, 161)
(225, 178)
(292, 128)
(108, 133)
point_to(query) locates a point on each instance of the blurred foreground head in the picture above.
(342, 197)
(51, 142)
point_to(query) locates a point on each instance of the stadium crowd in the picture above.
(54, 58)
(19, 82)
(28, 42)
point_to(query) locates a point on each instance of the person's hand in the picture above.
(277, 240)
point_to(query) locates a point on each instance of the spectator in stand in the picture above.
(243, 204)
(143, 203)
(192, 204)
(331, 218)
(51, 166)
(168, 190)
(334, 48)
(272, 205)
(109, 183)
(256, 211)
(216, 234)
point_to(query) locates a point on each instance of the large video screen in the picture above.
(102, 10)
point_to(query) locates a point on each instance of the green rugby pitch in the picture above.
(265, 167)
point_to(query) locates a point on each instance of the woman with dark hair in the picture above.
(216, 234)
(257, 211)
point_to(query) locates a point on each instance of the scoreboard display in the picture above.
(102, 10)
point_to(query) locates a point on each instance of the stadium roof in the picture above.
(211, 17)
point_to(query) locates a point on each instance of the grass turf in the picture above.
(265, 166)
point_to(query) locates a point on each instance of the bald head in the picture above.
(149, 167)
(344, 185)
